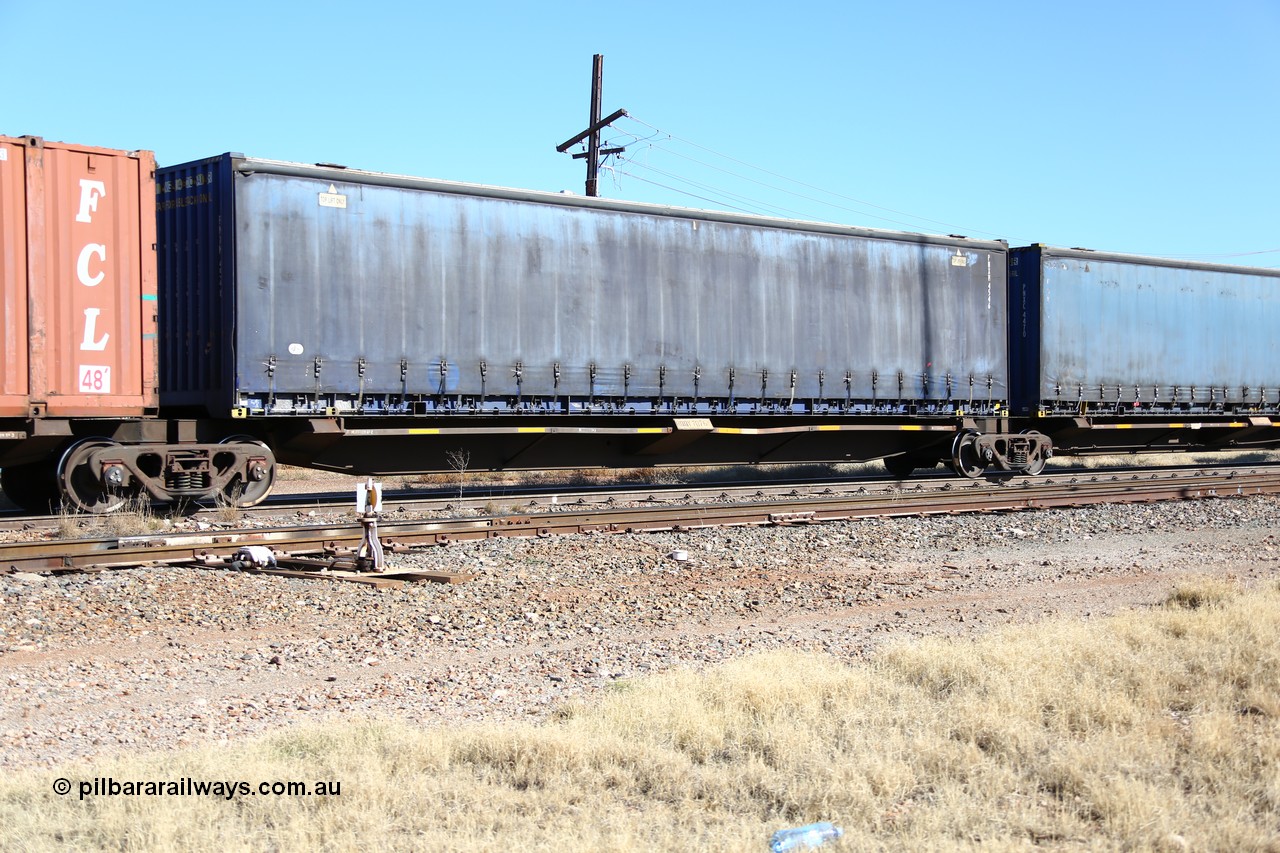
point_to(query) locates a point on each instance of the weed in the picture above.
(1152, 730)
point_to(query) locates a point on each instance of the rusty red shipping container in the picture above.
(77, 253)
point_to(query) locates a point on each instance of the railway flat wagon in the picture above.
(386, 324)
(1120, 352)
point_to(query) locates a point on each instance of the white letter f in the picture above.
(90, 192)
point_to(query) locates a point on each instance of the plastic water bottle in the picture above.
(804, 837)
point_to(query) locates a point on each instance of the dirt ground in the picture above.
(162, 658)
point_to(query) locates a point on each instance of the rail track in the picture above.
(507, 499)
(312, 544)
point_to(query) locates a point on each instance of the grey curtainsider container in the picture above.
(1097, 333)
(312, 290)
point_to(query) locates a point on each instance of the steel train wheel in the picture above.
(243, 492)
(965, 458)
(81, 488)
(1036, 463)
(32, 486)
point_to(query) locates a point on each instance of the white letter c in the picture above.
(82, 266)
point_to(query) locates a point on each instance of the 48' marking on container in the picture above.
(94, 378)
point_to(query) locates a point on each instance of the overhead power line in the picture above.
(655, 139)
(658, 132)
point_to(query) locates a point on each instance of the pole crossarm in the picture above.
(604, 152)
(595, 128)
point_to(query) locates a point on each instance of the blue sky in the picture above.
(1141, 127)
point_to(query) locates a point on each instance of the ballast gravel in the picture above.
(165, 658)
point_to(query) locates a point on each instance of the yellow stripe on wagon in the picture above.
(1180, 425)
(829, 428)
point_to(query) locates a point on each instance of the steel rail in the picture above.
(525, 498)
(100, 553)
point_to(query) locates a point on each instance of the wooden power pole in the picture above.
(594, 125)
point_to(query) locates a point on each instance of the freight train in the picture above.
(179, 332)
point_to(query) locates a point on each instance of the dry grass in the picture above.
(135, 517)
(225, 509)
(1149, 731)
(286, 473)
(667, 475)
(1137, 460)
